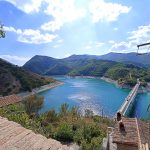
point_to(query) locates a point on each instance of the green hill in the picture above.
(14, 79)
(86, 65)
(132, 58)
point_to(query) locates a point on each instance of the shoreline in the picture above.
(47, 87)
(141, 89)
(40, 89)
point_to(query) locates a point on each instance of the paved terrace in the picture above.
(14, 137)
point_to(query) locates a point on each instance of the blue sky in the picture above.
(60, 28)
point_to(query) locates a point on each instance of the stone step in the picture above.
(23, 143)
(7, 137)
(9, 144)
(41, 139)
(8, 128)
(3, 120)
(29, 144)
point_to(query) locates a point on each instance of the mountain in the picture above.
(58, 69)
(132, 58)
(15, 79)
(89, 65)
(51, 66)
(40, 64)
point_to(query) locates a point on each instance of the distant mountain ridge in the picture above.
(89, 65)
(132, 58)
(43, 64)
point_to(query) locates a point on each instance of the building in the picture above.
(129, 134)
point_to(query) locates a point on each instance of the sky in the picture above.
(60, 28)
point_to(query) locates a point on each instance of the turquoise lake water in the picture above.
(93, 94)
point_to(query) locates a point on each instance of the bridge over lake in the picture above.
(128, 101)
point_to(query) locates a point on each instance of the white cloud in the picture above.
(93, 45)
(120, 47)
(88, 47)
(111, 42)
(143, 32)
(141, 35)
(60, 41)
(35, 37)
(31, 36)
(115, 29)
(18, 60)
(56, 46)
(67, 11)
(63, 12)
(106, 11)
(12, 29)
(99, 44)
(28, 6)
(67, 55)
(52, 25)
(58, 57)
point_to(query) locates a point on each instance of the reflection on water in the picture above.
(86, 102)
(93, 94)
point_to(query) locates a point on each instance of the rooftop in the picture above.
(11, 99)
(136, 132)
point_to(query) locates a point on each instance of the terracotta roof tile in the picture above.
(134, 130)
(11, 99)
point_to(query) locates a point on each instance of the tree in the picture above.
(2, 32)
(32, 104)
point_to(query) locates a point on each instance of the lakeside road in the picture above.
(40, 89)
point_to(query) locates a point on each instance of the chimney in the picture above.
(119, 116)
(121, 126)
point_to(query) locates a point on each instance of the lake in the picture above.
(94, 94)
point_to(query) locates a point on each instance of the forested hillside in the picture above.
(14, 79)
(85, 65)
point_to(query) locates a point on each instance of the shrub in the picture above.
(32, 104)
(64, 109)
(64, 133)
(51, 116)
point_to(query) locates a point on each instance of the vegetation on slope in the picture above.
(125, 74)
(2, 32)
(93, 68)
(14, 79)
(67, 125)
(128, 74)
